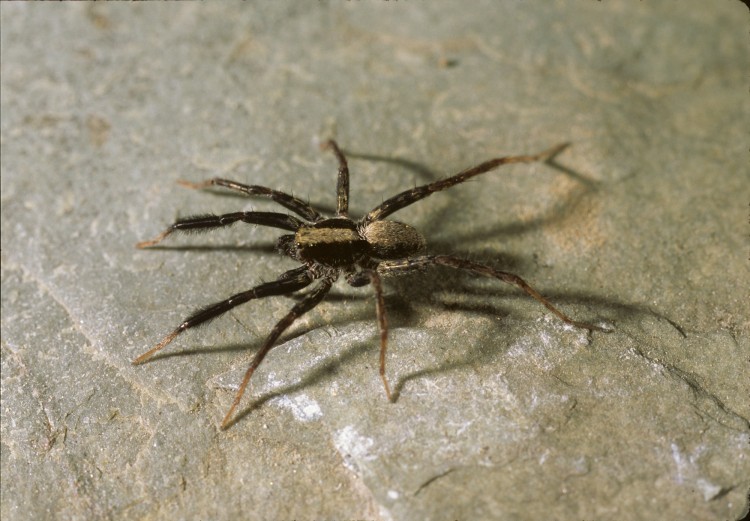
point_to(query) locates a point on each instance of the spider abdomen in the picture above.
(392, 239)
(334, 242)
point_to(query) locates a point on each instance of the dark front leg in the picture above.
(202, 223)
(289, 202)
(289, 282)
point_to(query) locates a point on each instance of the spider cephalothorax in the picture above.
(328, 247)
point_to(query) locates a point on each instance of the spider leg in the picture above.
(299, 309)
(408, 197)
(359, 279)
(206, 222)
(400, 266)
(289, 202)
(383, 325)
(342, 185)
(289, 282)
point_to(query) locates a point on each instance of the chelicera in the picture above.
(363, 251)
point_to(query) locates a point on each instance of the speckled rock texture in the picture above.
(502, 411)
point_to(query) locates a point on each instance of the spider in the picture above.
(363, 251)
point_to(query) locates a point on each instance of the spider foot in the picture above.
(388, 394)
(228, 418)
(153, 242)
(161, 345)
(194, 186)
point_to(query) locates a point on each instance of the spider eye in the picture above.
(393, 240)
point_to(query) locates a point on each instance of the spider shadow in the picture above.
(418, 168)
(399, 308)
(429, 289)
(421, 288)
(404, 312)
(313, 376)
(454, 291)
(561, 209)
(626, 313)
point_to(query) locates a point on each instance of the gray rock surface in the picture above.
(503, 412)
